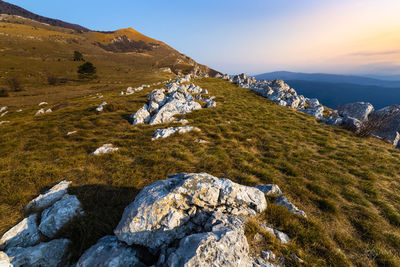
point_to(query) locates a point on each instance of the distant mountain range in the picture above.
(333, 90)
(10, 9)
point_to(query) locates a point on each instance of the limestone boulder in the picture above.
(53, 253)
(49, 197)
(24, 234)
(162, 212)
(141, 116)
(359, 110)
(58, 215)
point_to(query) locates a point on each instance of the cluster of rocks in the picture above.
(280, 92)
(32, 241)
(43, 111)
(130, 90)
(164, 104)
(189, 219)
(383, 123)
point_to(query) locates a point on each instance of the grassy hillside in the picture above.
(348, 186)
(31, 52)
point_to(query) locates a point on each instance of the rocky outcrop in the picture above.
(280, 93)
(23, 244)
(171, 209)
(190, 219)
(358, 117)
(164, 133)
(105, 149)
(164, 105)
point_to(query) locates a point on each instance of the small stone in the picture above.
(71, 133)
(43, 103)
(268, 255)
(105, 149)
(100, 108)
(164, 133)
(284, 202)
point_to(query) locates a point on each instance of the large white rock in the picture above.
(109, 252)
(141, 116)
(3, 108)
(162, 211)
(164, 133)
(24, 234)
(105, 149)
(53, 253)
(359, 110)
(58, 215)
(48, 198)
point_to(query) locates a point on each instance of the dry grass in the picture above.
(347, 185)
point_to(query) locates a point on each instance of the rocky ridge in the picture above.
(358, 117)
(189, 219)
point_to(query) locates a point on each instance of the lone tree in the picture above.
(78, 56)
(87, 71)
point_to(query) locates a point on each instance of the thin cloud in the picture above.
(375, 53)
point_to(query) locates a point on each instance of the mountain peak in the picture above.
(10, 9)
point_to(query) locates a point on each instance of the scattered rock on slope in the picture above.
(105, 149)
(164, 133)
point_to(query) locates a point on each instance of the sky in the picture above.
(254, 36)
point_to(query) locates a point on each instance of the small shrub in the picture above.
(78, 56)
(14, 84)
(3, 93)
(52, 79)
(87, 71)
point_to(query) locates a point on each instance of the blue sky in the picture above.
(254, 36)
